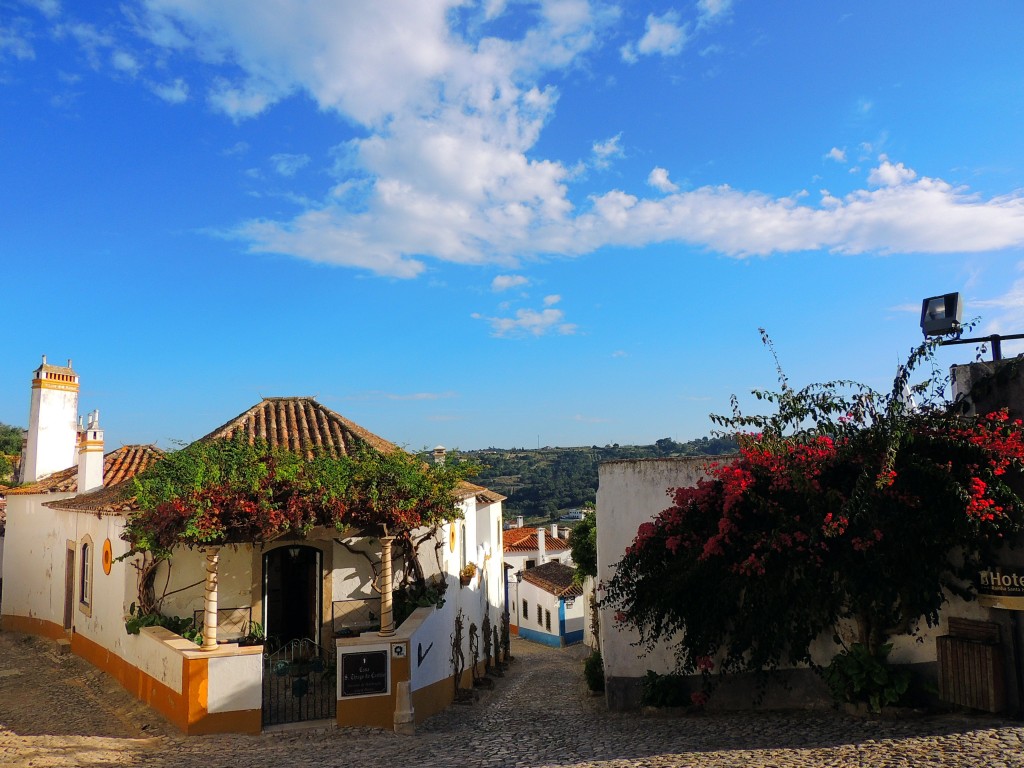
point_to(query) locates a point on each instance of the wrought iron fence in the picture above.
(350, 617)
(299, 683)
(232, 623)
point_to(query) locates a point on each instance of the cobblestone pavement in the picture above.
(57, 711)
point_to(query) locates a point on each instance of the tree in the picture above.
(583, 545)
(844, 504)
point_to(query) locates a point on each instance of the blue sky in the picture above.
(499, 223)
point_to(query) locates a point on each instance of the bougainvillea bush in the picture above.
(843, 505)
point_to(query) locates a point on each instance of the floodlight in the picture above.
(941, 315)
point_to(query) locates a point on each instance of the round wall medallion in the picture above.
(108, 556)
(451, 539)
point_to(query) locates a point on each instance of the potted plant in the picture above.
(255, 635)
(467, 574)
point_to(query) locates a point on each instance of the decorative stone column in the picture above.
(210, 602)
(387, 616)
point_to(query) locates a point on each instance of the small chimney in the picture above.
(541, 559)
(519, 521)
(90, 455)
(439, 454)
(554, 530)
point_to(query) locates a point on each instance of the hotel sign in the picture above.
(1001, 587)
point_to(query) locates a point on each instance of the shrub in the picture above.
(593, 672)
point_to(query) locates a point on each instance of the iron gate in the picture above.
(299, 683)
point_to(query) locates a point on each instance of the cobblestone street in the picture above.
(59, 711)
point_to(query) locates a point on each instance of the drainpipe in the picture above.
(210, 602)
(387, 617)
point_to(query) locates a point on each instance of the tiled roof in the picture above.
(525, 540)
(118, 466)
(109, 500)
(554, 578)
(302, 425)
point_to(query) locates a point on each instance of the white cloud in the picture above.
(713, 10)
(49, 8)
(663, 35)
(446, 167)
(15, 43)
(175, 92)
(550, 301)
(505, 282)
(125, 62)
(603, 151)
(837, 154)
(888, 174)
(288, 165)
(529, 322)
(658, 178)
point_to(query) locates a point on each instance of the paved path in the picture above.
(57, 711)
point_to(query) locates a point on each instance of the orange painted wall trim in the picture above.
(31, 626)
(146, 689)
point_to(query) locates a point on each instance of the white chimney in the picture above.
(554, 530)
(519, 521)
(540, 546)
(90, 455)
(50, 440)
(439, 454)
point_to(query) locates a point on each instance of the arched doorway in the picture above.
(291, 593)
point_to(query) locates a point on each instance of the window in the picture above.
(530, 564)
(547, 620)
(540, 616)
(85, 577)
(526, 610)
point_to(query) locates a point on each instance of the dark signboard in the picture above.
(1001, 586)
(364, 673)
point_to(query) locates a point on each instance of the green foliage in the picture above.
(185, 627)
(541, 482)
(858, 675)
(583, 544)
(665, 690)
(593, 672)
(418, 595)
(231, 491)
(10, 439)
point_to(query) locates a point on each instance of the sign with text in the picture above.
(1001, 586)
(364, 673)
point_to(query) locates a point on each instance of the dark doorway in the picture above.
(291, 594)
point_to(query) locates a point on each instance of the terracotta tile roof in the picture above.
(118, 466)
(482, 494)
(109, 500)
(554, 578)
(525, 540)
(302, 425)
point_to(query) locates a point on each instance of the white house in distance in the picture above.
(527, 548)
(318, 595)
(550, 605)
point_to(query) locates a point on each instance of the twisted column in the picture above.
(210, 600)
(387, 616)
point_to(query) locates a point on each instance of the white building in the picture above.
(63, 579)
(550, 605)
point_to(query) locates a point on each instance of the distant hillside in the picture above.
(541, 483)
